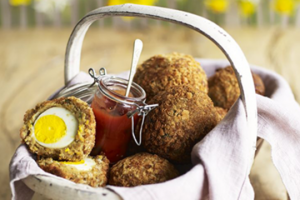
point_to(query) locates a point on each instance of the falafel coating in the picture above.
(84, 139)
(163, 71)
(141, 169)
(184, 116)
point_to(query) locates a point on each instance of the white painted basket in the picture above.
(56, 189)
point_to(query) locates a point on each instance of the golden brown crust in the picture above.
(259, 84)
(224, 88)
(184, 116)
(84, 139)
(96, 177)
(141, 169)
(221, 113)
(163, 71)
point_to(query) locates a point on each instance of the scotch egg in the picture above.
(92, 171)
(84, 165)
(63, 129)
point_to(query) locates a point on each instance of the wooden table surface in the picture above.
(31, 68)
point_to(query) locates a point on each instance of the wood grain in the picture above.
(31, 68)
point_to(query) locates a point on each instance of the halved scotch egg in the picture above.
(91, 171)
(63, 129)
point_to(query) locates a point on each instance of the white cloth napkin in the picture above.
(220, 164)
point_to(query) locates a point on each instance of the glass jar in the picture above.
(114, 119)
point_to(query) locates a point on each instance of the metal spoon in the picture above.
(137, 49)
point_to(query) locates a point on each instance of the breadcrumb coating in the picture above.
(95, 177)
(259, 84)
(224, 88)
(221, 112)
(84, 140)
(184, 116)
(141, 169)
(160, 72)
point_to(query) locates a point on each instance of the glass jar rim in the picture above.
(103, 86)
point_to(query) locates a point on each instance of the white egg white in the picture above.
(88, 164)
(71, 124)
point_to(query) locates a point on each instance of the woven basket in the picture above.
(57, 189)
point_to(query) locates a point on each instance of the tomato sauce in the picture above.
(113, 127)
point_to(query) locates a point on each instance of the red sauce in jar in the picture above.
(113, 127)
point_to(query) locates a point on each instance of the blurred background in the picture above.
(34, 34)
(65, 13)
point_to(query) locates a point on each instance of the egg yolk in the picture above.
(49, 129)
(73, 163)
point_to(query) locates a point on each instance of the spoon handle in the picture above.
(137, 49)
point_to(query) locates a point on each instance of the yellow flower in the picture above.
(19, 2)
(247, 7)
(217, 6)
(142, 2)
(284, 7)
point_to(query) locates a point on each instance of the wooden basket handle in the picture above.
(207, 28)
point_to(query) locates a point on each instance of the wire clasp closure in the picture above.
(140, 111)
(92, 73)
